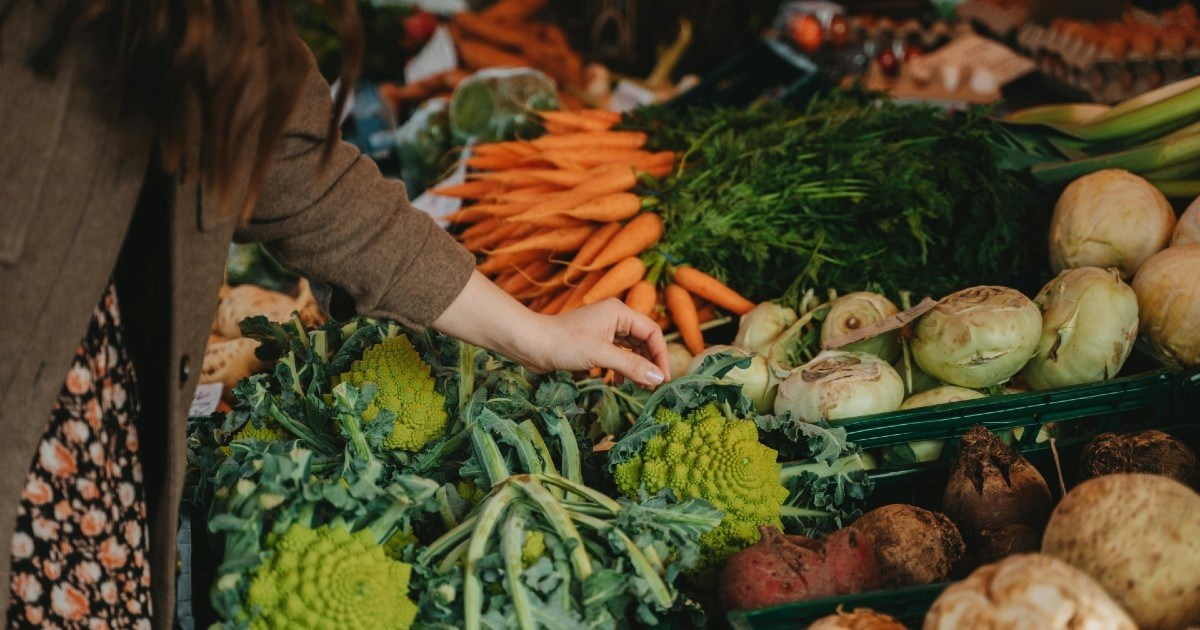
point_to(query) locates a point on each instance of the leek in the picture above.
(1154, 155)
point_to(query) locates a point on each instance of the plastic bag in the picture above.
(495, 104)
(422, 144)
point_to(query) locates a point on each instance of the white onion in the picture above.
(1168, 294)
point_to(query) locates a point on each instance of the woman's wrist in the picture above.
(484, 315)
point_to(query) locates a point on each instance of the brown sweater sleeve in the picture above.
(346, 224)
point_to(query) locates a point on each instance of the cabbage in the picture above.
(854, 311)
(977, 337)
(1168, 296)
(759, 328)
(757, 381)
(837, 385)
(1089, 324)
(1110, 218)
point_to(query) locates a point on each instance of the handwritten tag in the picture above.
(204, 403)
(887, 324)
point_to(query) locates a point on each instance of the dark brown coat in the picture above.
(70, 175)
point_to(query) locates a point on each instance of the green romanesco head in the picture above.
(533, 548)
(709, 456)
(268, 432)
(329, 578)
(406, 388)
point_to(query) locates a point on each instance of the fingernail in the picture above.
(654, 376)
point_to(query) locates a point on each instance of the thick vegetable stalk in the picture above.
(603, 559)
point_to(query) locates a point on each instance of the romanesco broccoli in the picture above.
(406, 388)
(329, 578)
(533, 548)
(709, 456)
(268, 432)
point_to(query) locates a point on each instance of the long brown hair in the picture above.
(221, 74)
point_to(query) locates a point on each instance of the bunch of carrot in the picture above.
(504, 34)
(556, 224)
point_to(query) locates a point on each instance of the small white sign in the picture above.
(204, 403)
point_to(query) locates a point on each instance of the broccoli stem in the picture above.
(512, 541)
(839, 466)
(448, 541)
(583, 491)
(491, 460)
(318, 443)
(560, 520)
(473, 600)
(346, 401)
(558, 426)
(658, 589)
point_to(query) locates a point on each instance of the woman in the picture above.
(138, 138)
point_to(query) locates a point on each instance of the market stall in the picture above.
(935, 365)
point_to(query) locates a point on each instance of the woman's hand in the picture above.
(607, 334)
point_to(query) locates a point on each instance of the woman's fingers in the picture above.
(635, 326)
(631, 365)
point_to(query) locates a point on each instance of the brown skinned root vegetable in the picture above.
(779, 569)
(993, 487)
(1138, 536)
(1151, 452)
(912, 546)
(1027, 591)
(857, 619)
(229, 361)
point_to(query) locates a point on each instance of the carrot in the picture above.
(576, 299)
(555, 221)
(617, 280)
(562, 179)
(506, 148)
(484, 211)
(713, 290)
(658, 171)
(559, 129)
(477, 55)
(559, 300)
(537, 304)
(636, 237)
(660, 317)
(589, 158)
(528, 276)
(578, 121)
(469, 190)
(641, 297)
(538, 193)
(480, 229)
(587, 253)
(593, 140)
(706, 313)
(605, 183)
(494, 162)
(560, 240)
(498, 238)
(609, 208)
(601, 114)
(483, 28)
(652, 160)
(512, 10)
(683, 313)
(496, 264)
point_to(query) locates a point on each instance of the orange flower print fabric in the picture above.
(79, 556)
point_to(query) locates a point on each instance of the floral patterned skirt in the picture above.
(79, 551)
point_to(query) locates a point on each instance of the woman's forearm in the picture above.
(484, 315)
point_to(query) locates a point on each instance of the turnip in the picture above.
(1027, 591)
(1138, 536)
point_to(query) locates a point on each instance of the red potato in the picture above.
(779, 569)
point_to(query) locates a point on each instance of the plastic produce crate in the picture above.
(1145, 396)
(907, 605)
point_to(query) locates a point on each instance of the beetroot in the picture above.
(780, 569)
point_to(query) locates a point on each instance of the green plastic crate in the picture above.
(907, 605)
(1145, 396)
